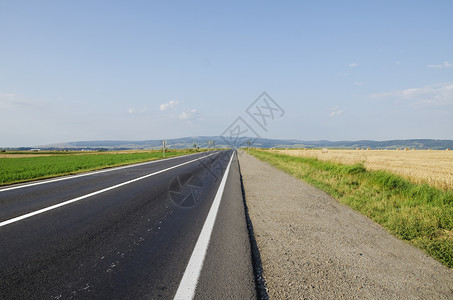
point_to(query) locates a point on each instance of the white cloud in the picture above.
(169, 105)
(397, 62)
(436, 94)
(189, 116)
(445, 64)
(353, 65)
(336, 112)
(16, 101)
(410, 92)
(358, 83)
(134, 110)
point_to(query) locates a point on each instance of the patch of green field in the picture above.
(40, 153)
(417, 213)
(21, 169)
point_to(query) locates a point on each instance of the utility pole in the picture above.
(164, 143)
(211, 144)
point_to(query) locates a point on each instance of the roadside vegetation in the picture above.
(18, 167)
(418, 213)
(434, 167)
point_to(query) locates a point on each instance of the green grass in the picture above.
(22, 169)
(38, 153)
(417, 213)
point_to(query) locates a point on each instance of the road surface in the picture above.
(127, 232)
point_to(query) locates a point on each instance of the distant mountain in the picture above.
(202, 142)
(391, 144)
(179, 143)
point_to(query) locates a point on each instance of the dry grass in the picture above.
(23, 155)
(434, 167)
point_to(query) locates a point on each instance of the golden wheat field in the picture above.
(434, 167)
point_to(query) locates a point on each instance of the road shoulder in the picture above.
(313, 247)
(227, 270)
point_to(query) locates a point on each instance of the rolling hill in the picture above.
(202, 142)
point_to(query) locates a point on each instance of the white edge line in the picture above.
(189, 281)
(40, 211)
(89, 173)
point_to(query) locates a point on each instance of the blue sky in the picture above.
(136, 70)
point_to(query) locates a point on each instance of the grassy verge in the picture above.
(417, 213)
(22, 169)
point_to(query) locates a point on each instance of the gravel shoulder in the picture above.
(313, 247)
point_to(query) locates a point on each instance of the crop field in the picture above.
(434, 167)
(25, 166)
(421, 214)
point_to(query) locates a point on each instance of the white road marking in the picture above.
(40, 211)
(88, 174)
(189, 281)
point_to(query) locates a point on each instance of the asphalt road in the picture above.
(126, 233)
